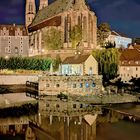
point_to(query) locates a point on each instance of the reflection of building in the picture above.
(119, 39)
(130, 63)
(80, 85)
(79, 65)
(14, 125)
(63, 15)
(13, 40)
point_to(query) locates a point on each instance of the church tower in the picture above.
(43, 3)
(30, 12)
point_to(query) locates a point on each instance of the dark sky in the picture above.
(122, 15)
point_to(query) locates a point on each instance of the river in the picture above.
(115, 130)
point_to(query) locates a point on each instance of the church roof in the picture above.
(56, 8)
(77, 59)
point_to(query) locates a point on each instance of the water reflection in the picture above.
(75, 127)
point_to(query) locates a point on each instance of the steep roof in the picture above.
(77, 59)
(118, 34)
(130, 54)
(56, 8)
(13, 28)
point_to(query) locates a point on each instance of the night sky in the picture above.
(122, 15)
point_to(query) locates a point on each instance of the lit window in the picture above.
(93, 84)
(81, 85)
(87, 85)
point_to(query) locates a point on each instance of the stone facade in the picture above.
(14, 40)
(78, 85)
(63, 16)
(30, 12)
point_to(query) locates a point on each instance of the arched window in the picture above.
(85, 28)
(66, 29)
(91, 31)
(79, 20)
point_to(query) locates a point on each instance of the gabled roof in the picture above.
(118, 34)
(56, 8)
(13, 28)
(130, 55)
(77, 59)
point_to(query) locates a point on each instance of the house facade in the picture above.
(119, 39)
(130, 63)
(79, 65)
(62, 15)
(14, 41)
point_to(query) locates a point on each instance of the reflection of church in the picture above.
(62, 15)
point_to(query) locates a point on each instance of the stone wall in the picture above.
(81, 85)
(17, 79)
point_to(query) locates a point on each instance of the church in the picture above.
(71, 22)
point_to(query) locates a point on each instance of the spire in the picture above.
(30, 11)
(43, 3)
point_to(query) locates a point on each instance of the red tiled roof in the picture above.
(130, 57)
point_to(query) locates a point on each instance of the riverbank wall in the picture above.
(16, 79)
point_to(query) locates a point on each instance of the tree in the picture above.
(76, 35)
(103, 32)
(108, 60)
(52, 39)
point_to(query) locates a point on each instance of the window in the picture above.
(57, 85)
(81, 85)
(74, 85)
(87, 85)
(47, 85)
(74, 105)
(136, 68)
(93, 84)
(57, 106)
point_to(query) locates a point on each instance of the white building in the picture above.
(119, 39)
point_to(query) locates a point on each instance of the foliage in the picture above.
(136, 40)
(15, 63)
(135, 83)
(76, 35)
(57, 62)
(52, 39)
(102, 33)
(62, 96)
(108, 60)
(109, 45)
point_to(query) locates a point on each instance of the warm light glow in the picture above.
(6, 57)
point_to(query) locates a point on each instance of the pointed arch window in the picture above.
(85, 28)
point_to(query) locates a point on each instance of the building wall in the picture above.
(119, 41)
(91, 66)
(127, 72)
(122, 41)
(72, 69)
(80, 85)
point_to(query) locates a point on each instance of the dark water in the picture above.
(120, 130)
